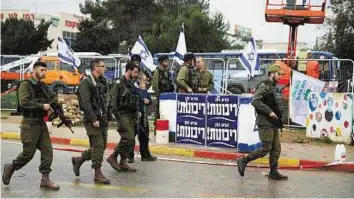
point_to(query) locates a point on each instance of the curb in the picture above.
(165, 150)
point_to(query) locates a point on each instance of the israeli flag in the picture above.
(66, 54)
(147, 60)
(249, 58)
(181, 47)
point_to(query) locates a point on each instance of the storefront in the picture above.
(63, 24)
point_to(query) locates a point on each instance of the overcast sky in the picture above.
(249, 13)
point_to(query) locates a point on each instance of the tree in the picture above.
(22, 37)
(96, 34)
(339, 38)
(157, 21)
(204, 33)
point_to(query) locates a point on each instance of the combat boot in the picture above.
(275, 175)
(112, 160)
(148, 158)
(130, 160)
(241, 165)
(8, 171)
(77, 162)
(100, 178)
(124, 167)
(47, 184)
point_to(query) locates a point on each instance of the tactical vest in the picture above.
(36, 93)
(165, 81)
(129, 100)
(270, 100)
(193, 79)
(100, 98)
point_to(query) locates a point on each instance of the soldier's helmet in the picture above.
(188, 56)
(135, 58)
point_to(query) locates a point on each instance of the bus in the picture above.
(61, 77)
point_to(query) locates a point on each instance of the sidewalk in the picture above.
(293, 155)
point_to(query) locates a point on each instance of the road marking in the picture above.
(108, 187)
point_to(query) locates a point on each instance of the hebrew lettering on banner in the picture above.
(222, 113)
(330, 115)
(190, 127)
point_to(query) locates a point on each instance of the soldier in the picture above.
(34, 105)
(268, 122)
(125, 102)
(186, 78)
(205, 78)
(162, 81)
(93, 93)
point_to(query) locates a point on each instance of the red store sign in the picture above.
(71, 24)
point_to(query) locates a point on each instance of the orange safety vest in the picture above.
(313, 69)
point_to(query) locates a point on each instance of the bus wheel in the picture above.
(59, 89)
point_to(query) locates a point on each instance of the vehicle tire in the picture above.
(59, 89)
(236, 89)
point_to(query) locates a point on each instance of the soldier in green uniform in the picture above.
(34, 104)
(186, 79)
(205, 78)
(268, 121)
(93, 93)
(162, 81)
(125, 107)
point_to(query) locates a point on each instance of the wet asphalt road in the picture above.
(169, 179)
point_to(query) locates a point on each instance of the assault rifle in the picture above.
(58, 112)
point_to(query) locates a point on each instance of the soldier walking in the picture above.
(34, 104)
(268, 121)
(125, 107)
(93, 94)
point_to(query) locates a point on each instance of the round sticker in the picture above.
(329, 115)
(338, 115)
(318, 117)
(346, 124)
(324, 133)
(313, 102)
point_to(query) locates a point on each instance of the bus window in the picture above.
(67, 67)
(51, 65)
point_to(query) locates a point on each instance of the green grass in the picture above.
(9, 101)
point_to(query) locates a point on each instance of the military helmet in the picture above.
(163, 58)
(135, 57)
(274, 68)
(188, 56)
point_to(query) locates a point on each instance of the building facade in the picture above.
(64, 25)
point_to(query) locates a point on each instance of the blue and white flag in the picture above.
(181, 47)
(66, 54)
(249, 58)
(147, 60)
